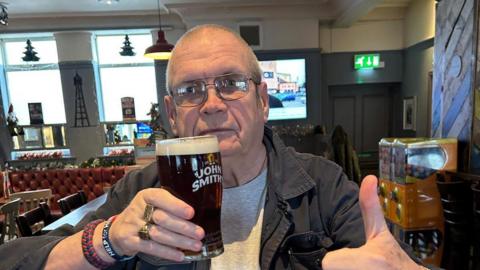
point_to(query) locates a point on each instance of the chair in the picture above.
(71, 202)
(456, 198)
(476, 225)
(31, 199)
(31, 222)
(10, 211)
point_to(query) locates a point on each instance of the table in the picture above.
(76, 215)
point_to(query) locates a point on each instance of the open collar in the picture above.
(285, 173)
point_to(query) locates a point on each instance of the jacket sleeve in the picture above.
(339, 199)
(32, 252)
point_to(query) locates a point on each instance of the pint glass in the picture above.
(190, 168)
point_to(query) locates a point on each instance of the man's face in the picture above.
(238, 124)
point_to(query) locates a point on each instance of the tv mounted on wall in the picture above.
(286, 82)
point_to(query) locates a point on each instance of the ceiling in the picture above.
(341, 13)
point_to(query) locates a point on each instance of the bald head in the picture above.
(212, 35)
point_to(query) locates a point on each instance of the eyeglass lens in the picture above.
(228, 87)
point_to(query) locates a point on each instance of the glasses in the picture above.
(230, 86)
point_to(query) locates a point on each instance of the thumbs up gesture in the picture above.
(381, 250)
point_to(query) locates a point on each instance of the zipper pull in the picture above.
(290, 257)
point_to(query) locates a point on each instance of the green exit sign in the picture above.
(366, 61)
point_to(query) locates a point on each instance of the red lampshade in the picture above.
(160, 50)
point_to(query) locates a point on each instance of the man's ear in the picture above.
(263, 95)
(171, 113)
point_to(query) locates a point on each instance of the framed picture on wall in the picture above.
(409, 113)
(36, 113)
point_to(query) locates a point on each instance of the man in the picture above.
(304, 213)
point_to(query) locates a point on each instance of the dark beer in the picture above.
(190, 168)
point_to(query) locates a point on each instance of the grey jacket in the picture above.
(310, 208)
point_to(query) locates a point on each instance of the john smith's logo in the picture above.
(210, 174)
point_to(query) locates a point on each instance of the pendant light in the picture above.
(108, 2)
(161, 50)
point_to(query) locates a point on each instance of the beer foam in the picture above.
(187, 146)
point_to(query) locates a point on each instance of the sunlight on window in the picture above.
(136, 82)
(33, 82)
(110, 46)
(46, 51)
(126, 76)
(37, 86)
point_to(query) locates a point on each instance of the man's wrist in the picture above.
(98, 245)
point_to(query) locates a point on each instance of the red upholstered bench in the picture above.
(64, 182)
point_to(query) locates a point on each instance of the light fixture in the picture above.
(3, 14)
(127, 49)
(108, 2)
(30, 54)
(161, 50)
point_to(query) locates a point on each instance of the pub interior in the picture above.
(382, 87)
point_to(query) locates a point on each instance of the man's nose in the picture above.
(214, 103)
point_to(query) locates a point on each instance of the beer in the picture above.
(190, 168)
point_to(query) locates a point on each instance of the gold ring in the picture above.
(144, 232)
(148, 213)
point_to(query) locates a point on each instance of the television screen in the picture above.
(143, 130)
(286, 88)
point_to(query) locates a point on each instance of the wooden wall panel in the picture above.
(475, 145)
(454, 73)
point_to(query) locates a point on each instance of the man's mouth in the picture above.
(214, 131)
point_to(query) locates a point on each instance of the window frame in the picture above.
(99, 66)
(5, 91)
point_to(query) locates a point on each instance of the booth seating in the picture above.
(64, 182)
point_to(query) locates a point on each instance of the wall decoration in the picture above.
(409, 113)
(30, 54)
(81, 114)
(12, 123)
(36, 113)
(127, 49)
(159, 132)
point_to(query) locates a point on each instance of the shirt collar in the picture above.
(285, 173)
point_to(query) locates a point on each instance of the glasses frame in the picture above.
(217, 91)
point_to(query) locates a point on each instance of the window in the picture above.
(125, 76)
(34, 82)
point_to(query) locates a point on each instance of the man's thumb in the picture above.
(372, 214)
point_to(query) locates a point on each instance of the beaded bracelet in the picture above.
(108, 245)
(87, 246)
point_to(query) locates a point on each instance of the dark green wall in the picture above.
(338, 70)
(418, 61)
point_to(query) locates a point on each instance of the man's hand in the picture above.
(381, 250)
(172, 230)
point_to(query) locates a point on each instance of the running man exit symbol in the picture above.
(366, 61)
